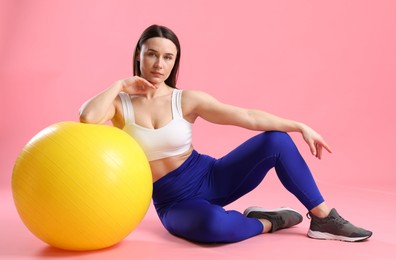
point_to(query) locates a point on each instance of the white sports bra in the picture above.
(172, 139)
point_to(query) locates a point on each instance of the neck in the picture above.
(162, 90)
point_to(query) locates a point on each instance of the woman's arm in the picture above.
(102, 107)
(200, 104)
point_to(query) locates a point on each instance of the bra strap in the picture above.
(176, 103)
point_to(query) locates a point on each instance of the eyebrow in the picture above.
(169, 53)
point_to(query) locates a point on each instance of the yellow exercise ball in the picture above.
(81, 186)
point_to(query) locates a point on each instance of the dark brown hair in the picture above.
(163, 32)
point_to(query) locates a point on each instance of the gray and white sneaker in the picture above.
(279, 217)
(334, 227)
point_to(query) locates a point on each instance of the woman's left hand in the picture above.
(315, 141)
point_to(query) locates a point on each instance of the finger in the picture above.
(151, 86)
(313, 148)
(319, 151)
(146, 83)
(326, 146)
(141, 88)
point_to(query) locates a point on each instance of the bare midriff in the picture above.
(161, 167)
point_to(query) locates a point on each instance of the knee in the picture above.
(230, 226)
(207, 227)
(276, 139)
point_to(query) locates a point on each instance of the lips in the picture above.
(157, 74)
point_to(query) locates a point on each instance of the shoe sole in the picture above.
(328, 236)
(258, 209)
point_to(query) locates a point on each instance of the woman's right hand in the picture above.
(136, 85)
(101, 108)
(315, 142)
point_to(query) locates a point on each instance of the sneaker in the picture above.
(280, 217)
(334, 227)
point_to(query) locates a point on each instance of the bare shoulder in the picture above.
(196, 97)
(192, 100)
(192, 93)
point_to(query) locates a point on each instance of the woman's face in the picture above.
(157, 58)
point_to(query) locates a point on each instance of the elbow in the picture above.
(84, 119)
(93, 116)
(83, 115)
(87, 118)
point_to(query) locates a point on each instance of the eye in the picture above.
(168, 57)
(151, 54)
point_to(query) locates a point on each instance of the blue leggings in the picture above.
(190, 200)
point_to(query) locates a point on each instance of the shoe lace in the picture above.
(339, 220)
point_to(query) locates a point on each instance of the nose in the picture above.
(158, 63)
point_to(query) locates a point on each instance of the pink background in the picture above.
(330, 64)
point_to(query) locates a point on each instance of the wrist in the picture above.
(300, 127)
(119, 85)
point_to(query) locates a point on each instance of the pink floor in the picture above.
(371, 209)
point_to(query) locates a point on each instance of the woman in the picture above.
(191, 189)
